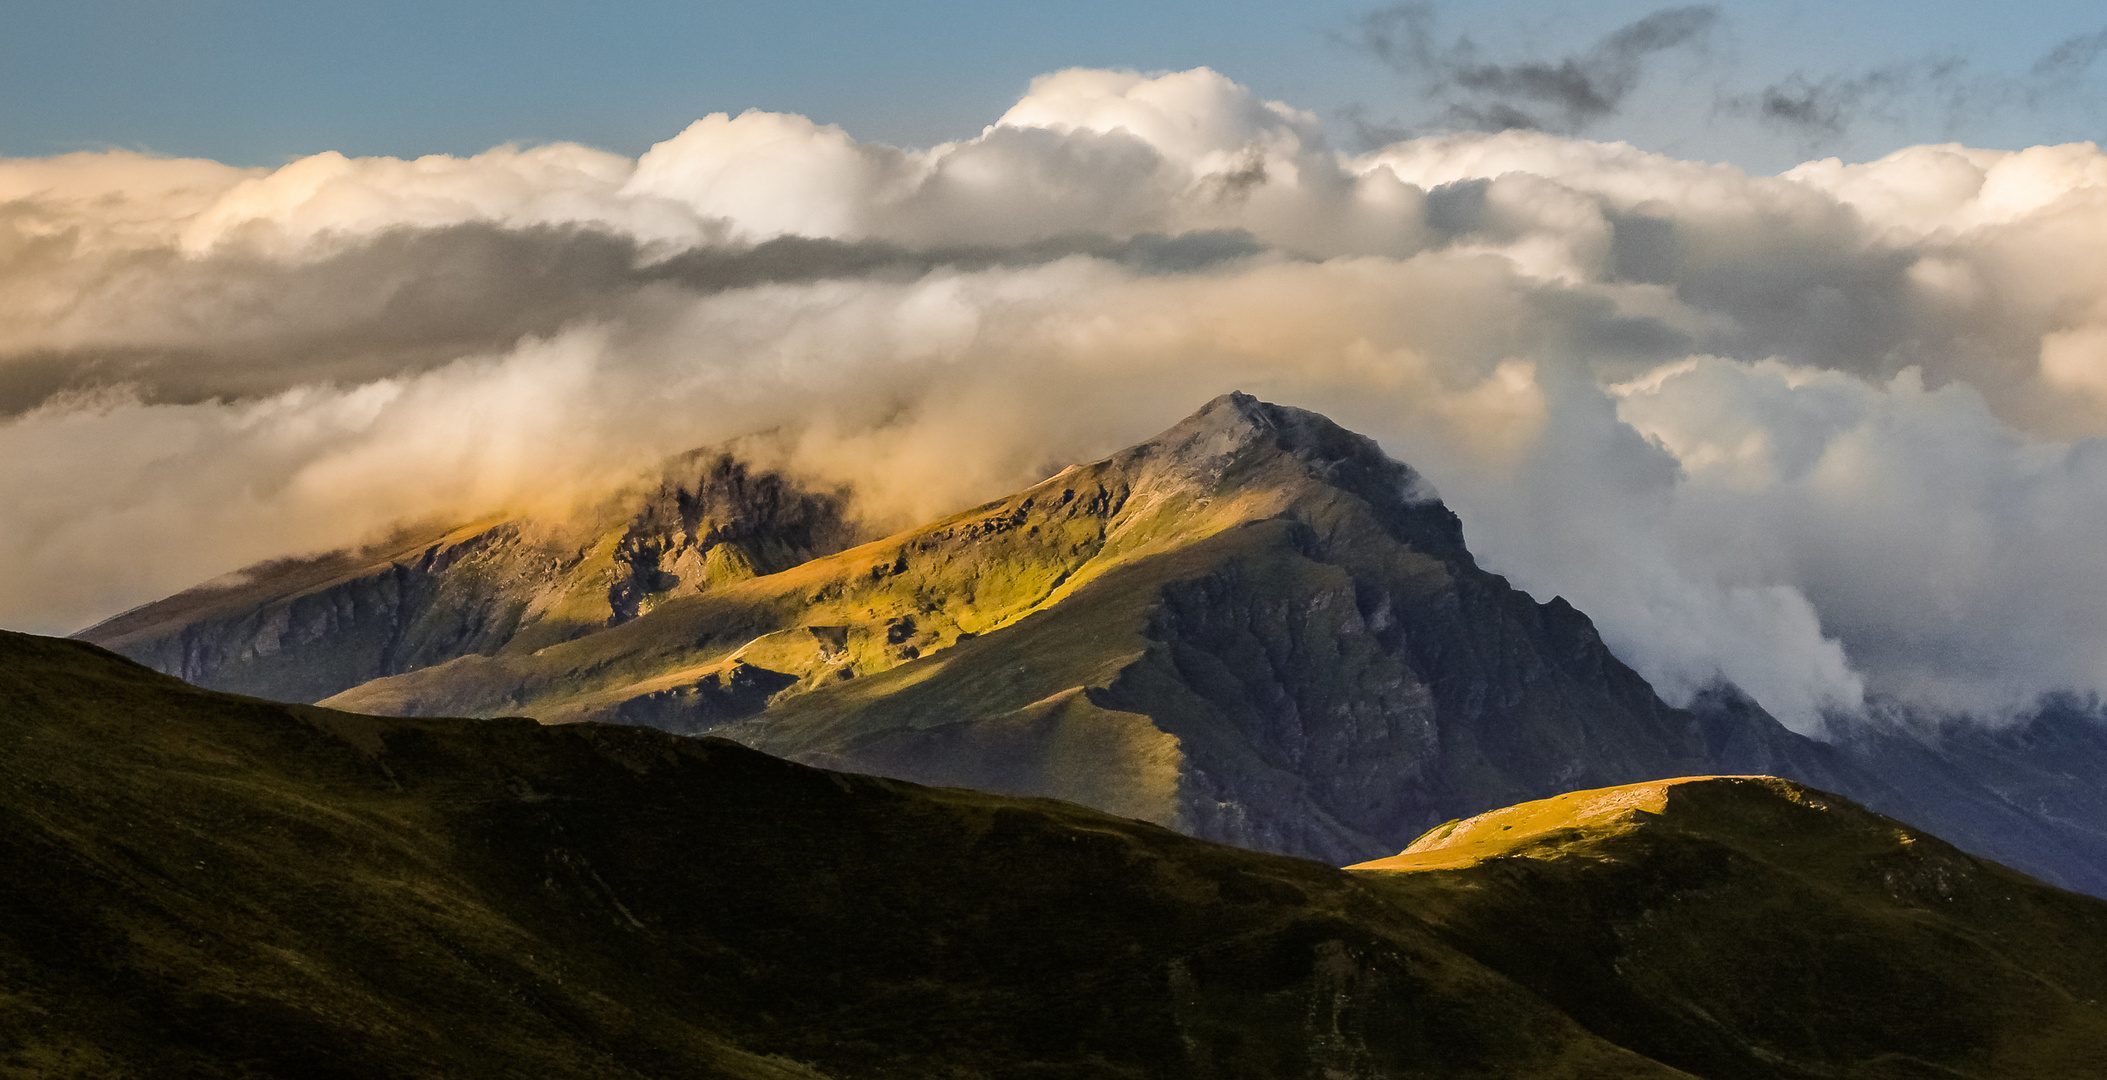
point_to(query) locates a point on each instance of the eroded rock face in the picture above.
(303, 630)
(716, 521)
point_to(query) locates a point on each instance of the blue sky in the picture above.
(252, 82)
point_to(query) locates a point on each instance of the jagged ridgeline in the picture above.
(204, 885)
(301, 630)
(1255, 628)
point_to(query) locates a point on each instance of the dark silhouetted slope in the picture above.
(210, 886)
(202, 885)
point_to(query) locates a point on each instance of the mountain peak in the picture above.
(1236, 440)
(1236, 423)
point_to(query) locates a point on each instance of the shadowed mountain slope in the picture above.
(2032, 792)
(212, 886)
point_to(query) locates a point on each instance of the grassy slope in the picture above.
(1070, 703)
(1058, 583)
(890, 601)
(215, 886)
(1695, 921)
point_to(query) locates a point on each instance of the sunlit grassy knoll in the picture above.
(1545, 826)
(1737, 926)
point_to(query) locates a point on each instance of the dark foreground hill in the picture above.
(203, 885)
(1254, 628)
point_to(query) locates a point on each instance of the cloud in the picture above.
(1823, 109)
(1834, 435)
(1675, 77)
(1795, 475)
(1567, 94)
(232, 324)
(2071, 57)
(1937, 91)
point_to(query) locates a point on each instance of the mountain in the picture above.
(1254, 628)
(215, 886)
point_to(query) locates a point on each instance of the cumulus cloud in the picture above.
(1798, 476)
(1832, 435)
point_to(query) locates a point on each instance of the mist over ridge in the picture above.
(1824, 434)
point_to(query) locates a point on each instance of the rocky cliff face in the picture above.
(305, 629)
(713, 521)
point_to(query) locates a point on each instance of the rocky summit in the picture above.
(1255, 628)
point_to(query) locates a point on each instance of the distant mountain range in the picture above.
(1255, 628)
(203, 885)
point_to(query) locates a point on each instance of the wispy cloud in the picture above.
(1457, 83)
(2072, 56)
(1822, 109)
(1566, 93)
(1945, 91)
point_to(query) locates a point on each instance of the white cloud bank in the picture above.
(1830, 434)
